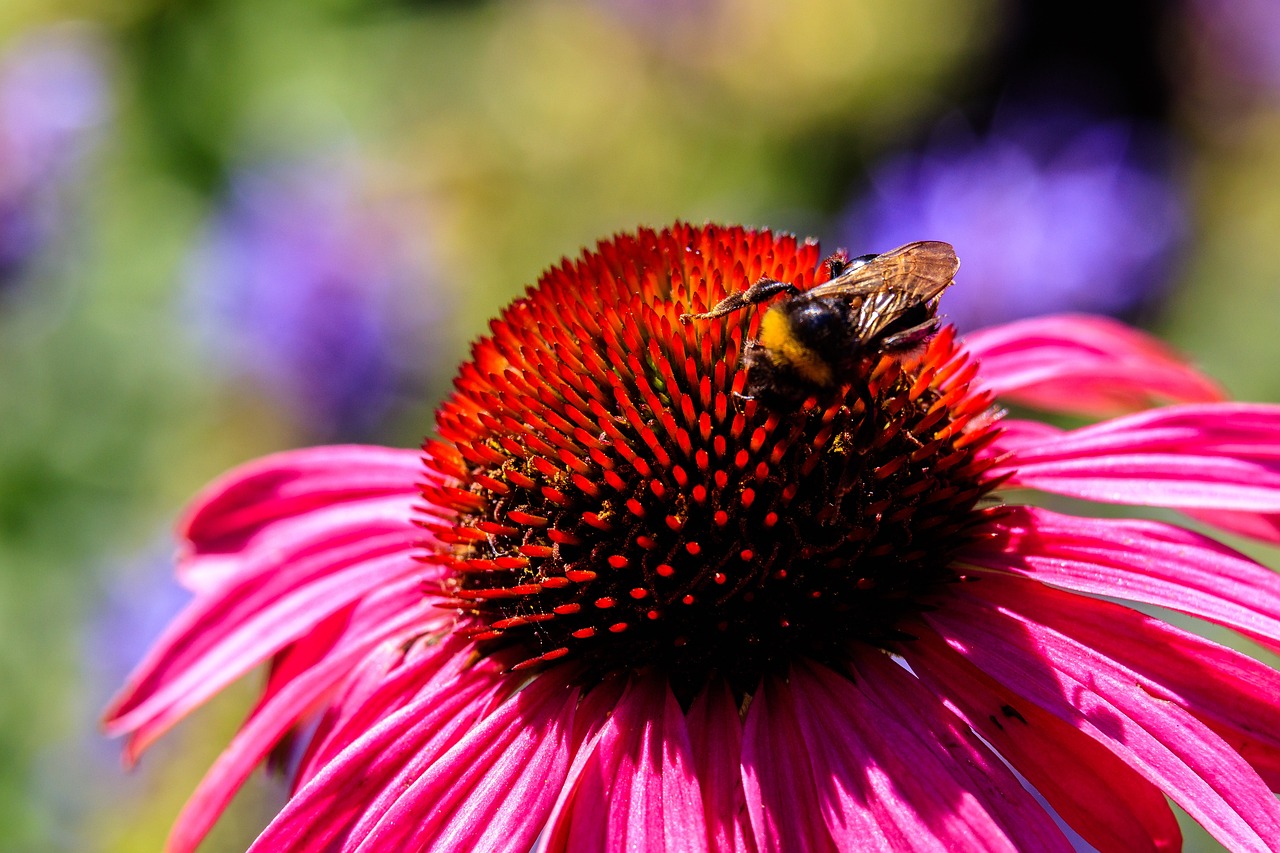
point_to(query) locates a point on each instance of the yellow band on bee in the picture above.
(787, 350)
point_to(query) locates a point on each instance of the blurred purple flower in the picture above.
(1242, 37)
(53, 97)
(1051, 215)
(137, 599)
(317, 294)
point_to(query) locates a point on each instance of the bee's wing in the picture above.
(910, 274)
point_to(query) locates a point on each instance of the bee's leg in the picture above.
(751, 362)
(866, 429)
(912, 337)
(758, 292)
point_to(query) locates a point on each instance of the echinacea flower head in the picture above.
(613, 605)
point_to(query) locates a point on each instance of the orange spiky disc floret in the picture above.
(605, 496)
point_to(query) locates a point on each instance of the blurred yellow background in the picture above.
(229, 227)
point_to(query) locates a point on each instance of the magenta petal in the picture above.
(633, 786)
(1146, 561)
(1097, 794)
(268, 578)
(1216, 457)
(1235, 695)
(328, 527)
(575, 822)
(1156, 737)
(293, 483)
(335, 809)
(666, 792)
(715, 733)
(387, 616)
(384, 665)
(341, 484)
(1016, 433)
(224, 634)
(494, 789)
(1083, 365)
(782, 800)
(1262, 526)
(387, 680)
(885, 751)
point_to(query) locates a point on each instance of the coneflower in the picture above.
(613, 605)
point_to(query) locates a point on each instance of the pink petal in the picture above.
(1084, 365)
(715, 733)
(579, 822)
(386, 680)
(1215, 457)
(342, 523)
(244, 504)
(574, 823)
(297, 661)
(414, 755)
(1146, 561)
(777, 775)
(887, 755)
(494, 789)
(1235, 695)
(665, 800)
(293, 483)
(336, 808)
(382, 664)
(1262, 526)
(632, 786)
(1155, 736)
(1016, 432)
(1097, 794)
(224, 634)
(382, 618)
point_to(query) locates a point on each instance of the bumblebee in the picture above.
(818, 339)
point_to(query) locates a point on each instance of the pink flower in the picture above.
(613, 607)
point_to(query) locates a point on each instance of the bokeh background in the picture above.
(229, 227)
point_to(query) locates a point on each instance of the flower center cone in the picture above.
(602, 492)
